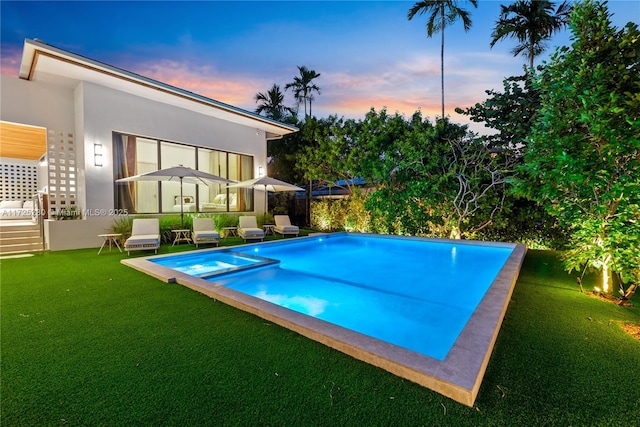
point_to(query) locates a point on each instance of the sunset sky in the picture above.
(367, 52)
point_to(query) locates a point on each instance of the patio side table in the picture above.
(229, 231)
(268, 229)
(111, 239)
(182, 235)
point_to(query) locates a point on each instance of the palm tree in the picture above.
(303, 87)
(442, 13)
(531, 23)
(272, 103)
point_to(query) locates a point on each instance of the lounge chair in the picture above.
(248, 228)
(284, 227)
(204, 232)
(145, 235)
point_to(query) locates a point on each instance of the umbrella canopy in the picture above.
(267, 183)
(180, 173)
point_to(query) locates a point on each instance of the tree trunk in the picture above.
(442, 61)
(531, 50)
(308, 205)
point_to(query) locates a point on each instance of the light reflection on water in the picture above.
(309, 305)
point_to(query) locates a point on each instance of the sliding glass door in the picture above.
(136, 155)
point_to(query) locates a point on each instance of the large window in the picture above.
(135, 155)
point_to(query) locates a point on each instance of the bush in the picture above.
(266, 218)
(280, 210)
(326, 214)
(528, 223)
(122, 225)
(347, 214)
(357, 218)
(225, 220)
(524, 222)
(173, 222)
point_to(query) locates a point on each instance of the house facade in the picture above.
(101, 123)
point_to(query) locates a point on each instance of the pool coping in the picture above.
(458, 376)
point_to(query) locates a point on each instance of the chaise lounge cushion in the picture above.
(203, 231)
(283, 225)
(248, 228)
(143, 240)
(145, 234)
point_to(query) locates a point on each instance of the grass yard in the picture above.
(88, 341)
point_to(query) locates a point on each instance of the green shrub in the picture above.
(523, 222)
(357, 217)
(173, 222)
(324, 213)
(528, 223)
(266, 218)
(122, 225)
(347, 214)
(280, 210)
(225, 220)
(67, 213)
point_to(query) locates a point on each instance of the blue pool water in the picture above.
(412, 293)
(204, 265)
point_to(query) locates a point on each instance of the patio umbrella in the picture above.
(267, 183)
(180, 173)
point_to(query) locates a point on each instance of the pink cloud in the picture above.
(357, 107)
(10, 60)
(236, 90)
(404, 86)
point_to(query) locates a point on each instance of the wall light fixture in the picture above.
(97, 154)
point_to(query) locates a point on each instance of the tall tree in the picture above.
(441, 13)
(303, 87)
(511, 113)
(531, 23)
(333, 155)
(583, 158)
(271, 104)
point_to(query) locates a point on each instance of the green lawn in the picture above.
(88, 341)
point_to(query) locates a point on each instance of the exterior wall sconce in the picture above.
(260, 172)
(97, 154)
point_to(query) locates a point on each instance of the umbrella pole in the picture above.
(181, 207)
(266, 201)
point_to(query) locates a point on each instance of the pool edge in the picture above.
(459, 376)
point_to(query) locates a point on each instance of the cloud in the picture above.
(404, 85)
(206, 80)
(10, 60)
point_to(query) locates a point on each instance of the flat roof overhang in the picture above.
(43, 62)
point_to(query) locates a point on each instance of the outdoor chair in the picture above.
(248, 228)
(204, 232)
(145, 235)
(284, 227)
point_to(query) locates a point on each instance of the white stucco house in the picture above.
(75, 125)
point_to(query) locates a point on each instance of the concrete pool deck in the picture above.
(458, 376)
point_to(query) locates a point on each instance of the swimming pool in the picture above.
(423, 293)
(363, 293)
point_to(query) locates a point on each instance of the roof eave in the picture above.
(30, 59)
